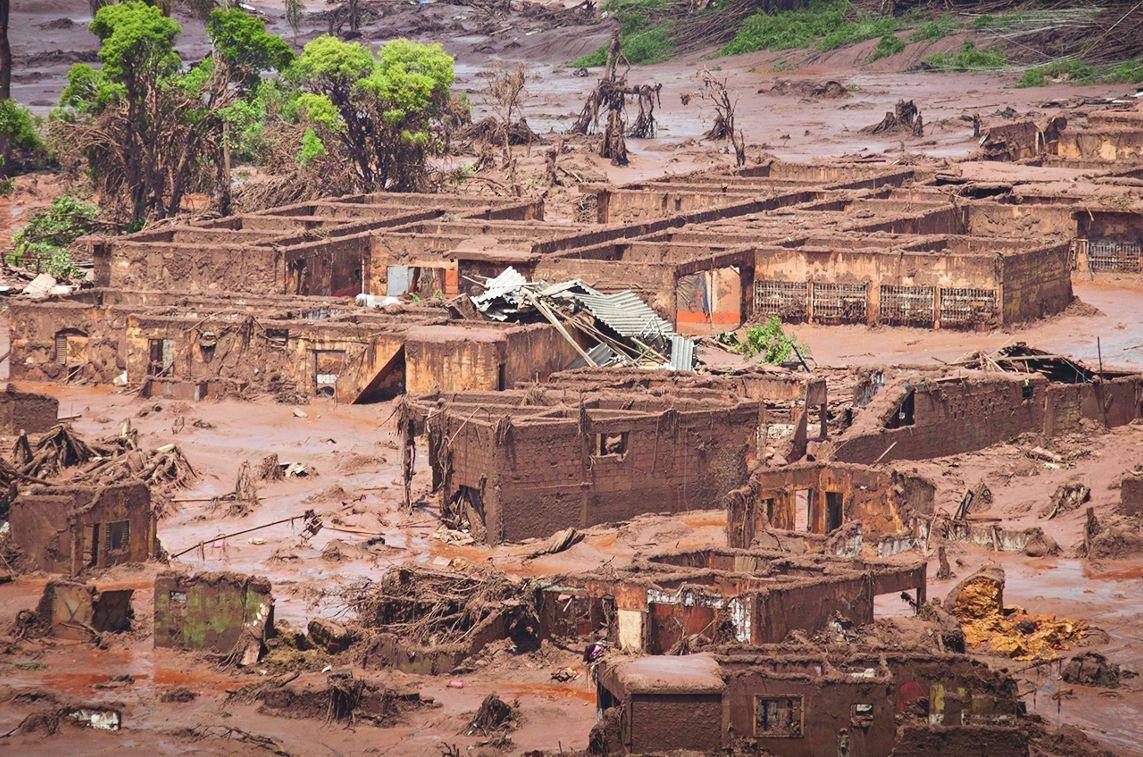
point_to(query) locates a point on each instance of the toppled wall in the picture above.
(26, 411)
(212, 612)
(918, 419)
(80, 612)
(71, 529)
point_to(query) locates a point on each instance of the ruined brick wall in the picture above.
(26, 411)
(1109, 145)
(826, 710)
(916, 740)
(190, 267)
(330, 267)
(659, 722)
(1131, 494)
(453, 358)
(271, 356)
(53, 340)
(1037, 283)
(810, 606)
(546, 477)
(72, 529)
(208, 611)
(1111, 403)
(950, 416)
(950, 220)
(533, 352)
(1027, 221)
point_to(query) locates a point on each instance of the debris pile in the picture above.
(622, 328)
(905, 117)
(430, 608)
(494, 720)
(59, 448)
(1091, 669)
(978, 603)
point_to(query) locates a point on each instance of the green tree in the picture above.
(383, 112)
(147, 129)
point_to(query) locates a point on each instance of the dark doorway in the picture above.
(833, 511)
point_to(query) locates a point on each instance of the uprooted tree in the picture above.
(715, 92)
(382, 113)
(147, 129)
(610, 95)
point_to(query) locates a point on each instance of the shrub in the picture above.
(887, 46)
(786, 30)
(1127, 72)
(653, 45)
(769, 340)
(1076, 71)
(61, 224)
(934, 30)
(20, 144)
(968, 59)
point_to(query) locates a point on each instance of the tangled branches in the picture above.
(611, 94)
(714, 91)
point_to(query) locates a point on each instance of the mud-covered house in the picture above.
(526, 463)
(72, 529)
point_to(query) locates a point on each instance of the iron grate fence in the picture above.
(840, 303)
(967, 307)
(908, 306)
(786, 299)
(1109, 255)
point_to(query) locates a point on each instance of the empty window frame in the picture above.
(118, 535)
(612, 444)
(905, 412)
(160, 357)
(778, 717)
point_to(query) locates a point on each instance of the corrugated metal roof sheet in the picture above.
(626, 314)
(682, 353)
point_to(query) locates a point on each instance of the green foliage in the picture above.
(1082, 72)
(6, 186)
(887, 46)
(831, 23)
(1076, 71)
(865, 27)
(241, 40)
(384, 110)
(138, 41)
(968, 59)
(999, 20)
(769, 340)
(67, 219)
(785, 30)
(19, 138)
(643, 40)
(1127, 72)
(311, 148)
(49, 232)
(633, 15)
(87, 91)
(935, 29)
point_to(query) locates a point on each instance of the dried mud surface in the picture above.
(357, 487)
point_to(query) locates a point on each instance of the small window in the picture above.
(118, 535)
(861, 715)
(1026, 390)
(614, 444)
(778, 717)
(177, 598)
(61, 348)
(904, 414)
(278, 338)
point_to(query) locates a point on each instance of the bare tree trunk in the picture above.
(5, 53)
(224, 198)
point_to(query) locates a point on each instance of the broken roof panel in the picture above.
(626, 314)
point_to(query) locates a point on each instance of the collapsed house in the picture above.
(827, 702)
(923, 414)
(78, 611)
(26, 412)
(838, 508)
(526, 463)
(192, 346)
(428, 621)
(71, 529)
(679, 600)
(223, 613)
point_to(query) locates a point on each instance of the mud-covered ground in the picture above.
(356, 488)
